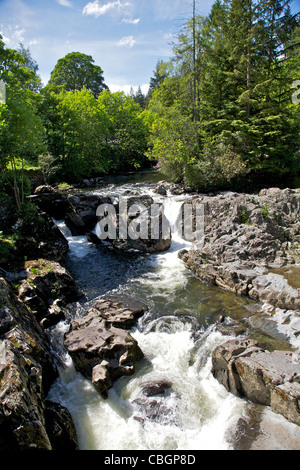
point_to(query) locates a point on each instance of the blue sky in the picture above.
(125, 37)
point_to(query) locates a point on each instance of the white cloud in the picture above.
(6, 40)
(65, 3)
(12, 35)
(95, 9)
(33, 42)
(134, 21)
(127, 41)
(114, 87)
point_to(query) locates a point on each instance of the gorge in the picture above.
(241, 288)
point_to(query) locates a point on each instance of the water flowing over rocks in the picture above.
(79, 211)
(157, 236)
(248, 239)
(266, 378)
(155, 403)
(27, 370)
(101, 348)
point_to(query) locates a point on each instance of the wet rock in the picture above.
(39, 238)
(48, 288)
(155, 410)
(229, 327)
(81, 216)
(266, 378)
(261, 429)
(160, 188)
(27, 371)
(60, 427)
(120, 314)
(101, 351)
(101, 377)
(97, 182)
(158, 388)
(147, 228)
(157, 403)
(51, 201)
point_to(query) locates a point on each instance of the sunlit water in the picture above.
(177, 336)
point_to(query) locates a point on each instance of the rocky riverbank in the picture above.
(246, 238)
(100, 345)
(27, 371)
(266, 378)
(251, 248)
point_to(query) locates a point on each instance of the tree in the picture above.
(83, 126)
(140, 98)
(74, 72)
(21, 128)
(232, 83)
(162, 71)
(128, 131)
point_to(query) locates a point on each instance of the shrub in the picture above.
(215, 169)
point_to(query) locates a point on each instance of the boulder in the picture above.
(161, 189)
(81, 216)
(147, 228)
(274, 289)
(266, 378)
(27, 371)
(101, 348)
(42, 238)
(155, 403)
(48, 288)
(60, 427)
(51, 201)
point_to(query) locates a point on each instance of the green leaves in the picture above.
(243, 60)
(98, 135)
(76, 71)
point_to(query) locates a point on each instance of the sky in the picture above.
(126, 38)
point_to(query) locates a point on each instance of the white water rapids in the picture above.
(197, 414)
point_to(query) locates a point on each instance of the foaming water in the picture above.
(79, 246)
(177, 336)
(195, 414)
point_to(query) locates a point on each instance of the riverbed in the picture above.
(177, 335)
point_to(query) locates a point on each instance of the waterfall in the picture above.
(196, 412)
(79, 245)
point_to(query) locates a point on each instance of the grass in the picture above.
(27, 164)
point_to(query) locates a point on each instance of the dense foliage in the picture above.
(71, 129)
(223, 104)
(219, 111)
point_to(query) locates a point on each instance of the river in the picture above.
(177, 335)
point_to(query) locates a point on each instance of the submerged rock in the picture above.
(156, 402)
(101, 348)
